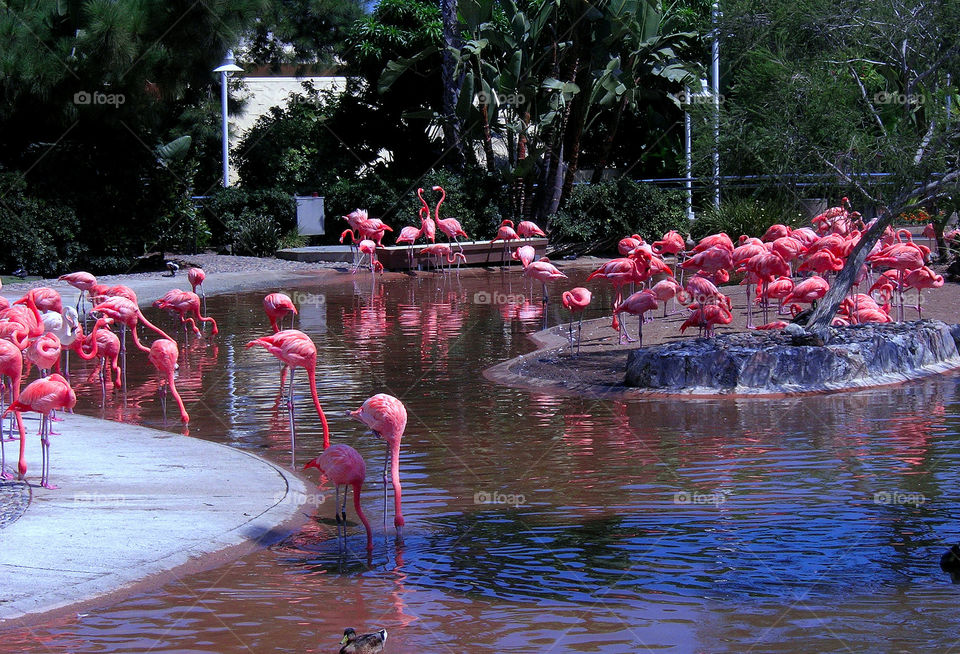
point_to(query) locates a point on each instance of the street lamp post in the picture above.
(228, 66)
(715, 74)
(703, 95)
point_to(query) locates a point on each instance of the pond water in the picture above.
(543, 523)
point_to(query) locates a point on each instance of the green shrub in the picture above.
(604, 213)
(745, 216)
(225, 209)
(254, 234)
(37, 235)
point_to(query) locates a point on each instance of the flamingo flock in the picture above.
(786, 270)
(38, 330)
(365, 235)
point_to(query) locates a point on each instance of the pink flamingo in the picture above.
(666, 289)
(196, 277)
(441, 251)
(670, 243)
(296, 350)
(368, 248)
(543, 271)
(710, 260)
(428, 228)
(900, 257)
(576, 300)
(386, 417)
(525, 254)
(778, 289)
(185, 303)
(821, 262)
(529, 229)
(767, 266)
(276, 306)
(720, 240)
(775, 232)
(103, 345)
(11, 367)
(808, 291)
(83, 282)
(24, 318)
(706, 316)
(627, 245)
(408, 235)
(115, 291)
(44, 351)
(505, 233)
(127, 313)
(619, 272)
(449, 226)
(43, 396)
(920, 279)
(46, 299)
(163, 356)
(344, 466)
(636, 304)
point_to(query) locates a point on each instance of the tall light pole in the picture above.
(701, 96)
(715, 70)
(225, 69)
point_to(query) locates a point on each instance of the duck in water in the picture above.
(950, 562)
(365, 644)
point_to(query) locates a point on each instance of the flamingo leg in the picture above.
(163, 401)
(123, 352)
(766, 307)
(336, 503)
(386, 461)
(749, 308)
(3, 454)
(293, 431)
(901, 313)
(45, 443)
(579, 328)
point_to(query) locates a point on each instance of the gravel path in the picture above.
(211, 264)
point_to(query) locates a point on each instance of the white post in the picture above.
(228, 66)
(225, 132)
(715, 70)
(687, 145)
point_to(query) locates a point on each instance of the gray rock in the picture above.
(796, 360)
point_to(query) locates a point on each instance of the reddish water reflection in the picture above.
(545, 523)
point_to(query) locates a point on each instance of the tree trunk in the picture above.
(451, 84)
(823, 315)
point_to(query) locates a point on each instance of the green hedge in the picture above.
(37, 235)
(610, 210)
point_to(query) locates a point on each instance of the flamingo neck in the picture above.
(443, 196)
(176, 396)
(360, 514)
(312, 377)
(394, 445)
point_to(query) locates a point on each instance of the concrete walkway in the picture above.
(136, 508)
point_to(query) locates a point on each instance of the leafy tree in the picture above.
(537, 77)
(93, 87)
(845, 91)
(310, 34)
